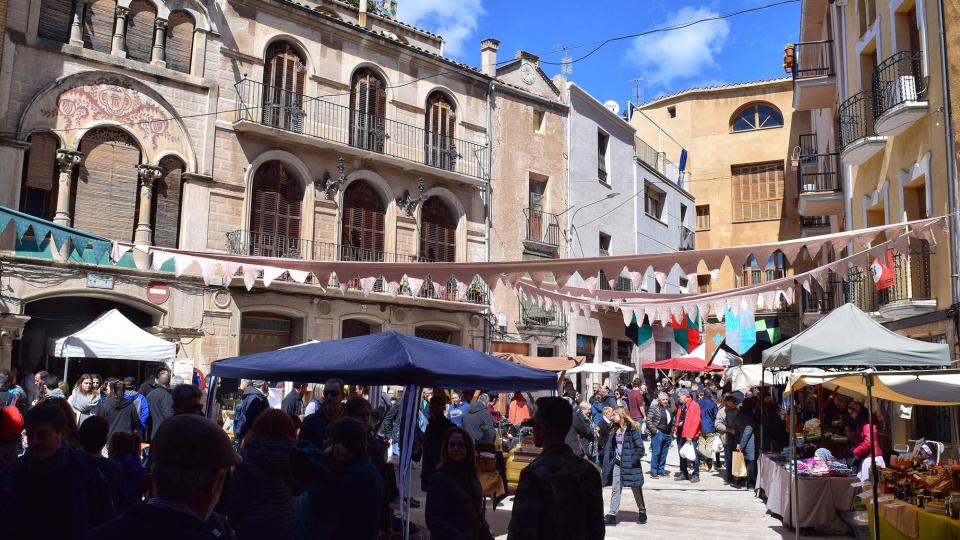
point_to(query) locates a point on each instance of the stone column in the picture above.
(119, 47)
(144, 233)
(11, 328)
(159, 43)
(67, 160)
(76, 26)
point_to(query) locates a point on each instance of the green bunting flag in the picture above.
(640, 333)
(768, 330)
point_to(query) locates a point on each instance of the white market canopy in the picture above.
(616, 366)
(849, 338)
(934, 387)
(593, 367)
(112, 335)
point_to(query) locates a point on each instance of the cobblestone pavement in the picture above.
(676, 510)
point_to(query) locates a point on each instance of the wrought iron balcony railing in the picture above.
(855, 119)
(824, 298)
(898, 80)
(542, 227)
(814, 221)
(912, 272)
(298, 113)
(819, 172)
(812, 59)
(659, 162)
(532, 315)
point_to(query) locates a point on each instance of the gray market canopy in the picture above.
(849, 338)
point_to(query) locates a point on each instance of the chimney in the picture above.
(362, 15)
(488, 56)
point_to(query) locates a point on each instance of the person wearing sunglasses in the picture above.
(314, 427)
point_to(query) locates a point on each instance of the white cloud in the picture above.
(683, 54)
(456, 21)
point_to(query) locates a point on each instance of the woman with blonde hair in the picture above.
(84, 398)
(621, 463)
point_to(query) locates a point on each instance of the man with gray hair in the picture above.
(253, 402)
(658, 426)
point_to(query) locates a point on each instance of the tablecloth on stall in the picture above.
(928, 526)
(492, 484)
(820, 499)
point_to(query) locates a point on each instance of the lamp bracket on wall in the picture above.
(328, 185)
(408, 202)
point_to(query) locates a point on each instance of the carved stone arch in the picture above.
(89, 99)
(156, 312)
(60, 141)
(448, 93)
(200, 15)
(378, 182)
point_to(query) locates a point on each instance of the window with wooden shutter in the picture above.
(438, 232)
(55, 20)
(140, 26)
(276, 215)
(441, 122)
(368, 106)
(105, 196)
(38, 191)
(283, 80)
(167, 191)
(362, 229)
(98, 25)
(178, 47)
(757, 191)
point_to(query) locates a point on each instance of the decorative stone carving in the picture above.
(408, 203)
(67, 160)
(328, 185)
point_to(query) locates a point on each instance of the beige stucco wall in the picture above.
(702, 127)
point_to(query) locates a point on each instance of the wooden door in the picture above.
(283, 79)
(368, 105)
(276, 215)
(438, 232)
(441, 124)
(107, 184)
(362, 233)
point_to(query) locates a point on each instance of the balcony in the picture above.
(814, 80)
(911, 294)
(899, 93)
(858, 140)
(820, 191)
(534, 317)
(688, 239)
(286, 116)
(543, 231)
(658, 162)
(259, 244)
(822, 299)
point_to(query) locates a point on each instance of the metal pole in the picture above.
(868, 379)
(66, 369)
(794, 503)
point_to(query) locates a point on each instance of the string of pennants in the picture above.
(62, 237)
(530, 277)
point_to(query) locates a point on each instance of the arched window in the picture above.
(283, 78)
(38, 188)
(275, 213)
(753, 274)
(98, 28)
(438, 232)
(364, 214)
(178, 48)
(140, 26)
(368, 106)
(55, 20)
(756, 116)
(441, 122)
(105, 196)
(167, 191)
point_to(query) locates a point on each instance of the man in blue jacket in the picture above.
(140, 400)
(708, 427)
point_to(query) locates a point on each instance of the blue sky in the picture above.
(743, 48)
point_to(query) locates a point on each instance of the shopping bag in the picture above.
(705, 445)
(687, 451)
(739, 468)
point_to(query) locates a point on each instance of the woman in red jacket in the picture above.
(687, 429)
(859, 430)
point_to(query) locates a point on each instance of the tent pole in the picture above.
(794, 503)
(763, 372)
(868, 379)
(66, 369)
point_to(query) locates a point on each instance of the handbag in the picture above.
(687, 451)
(739, 466)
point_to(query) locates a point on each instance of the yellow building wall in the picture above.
(702, 126)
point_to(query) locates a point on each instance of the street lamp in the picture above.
(574, 216)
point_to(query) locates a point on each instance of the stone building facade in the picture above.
(251, 127)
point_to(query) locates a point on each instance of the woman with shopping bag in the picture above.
(746, 426)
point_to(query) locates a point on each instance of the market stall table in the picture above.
(820, 498)
(902, 521)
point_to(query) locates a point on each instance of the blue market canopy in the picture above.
(387, 358)
(849, 338)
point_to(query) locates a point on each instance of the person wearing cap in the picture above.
(253, 402)
(139, 399)
(191, 457)
(53, 490)
(161, 378)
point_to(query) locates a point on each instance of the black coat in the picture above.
(580, 433)
(292, 404)
(455, 507)
(145, 522)
(631, 473)
(432, 447)
(258, 498)
(252, 404)
(160, 403)
(123, 415)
